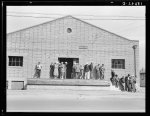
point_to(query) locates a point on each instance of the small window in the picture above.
(15, 60)
(69, 30)
(118, 63)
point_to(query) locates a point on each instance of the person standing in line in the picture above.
(121, 82)
(132, 83)
(65, 73)
(73, 70)
(116, 81)
(94, 73)
(127, 85)
(56, 70)
(62, 70)
(52, 70)
(97, 71)
(112, 79)
(38, 70)
(87, 71)
(59, 68)
(91, 70)
(81, 72)
(77, 70)
(102, 70)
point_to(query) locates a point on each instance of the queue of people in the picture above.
(125, 83)
(87, 71)
(59, 70)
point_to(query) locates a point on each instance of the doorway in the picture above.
(70, 62)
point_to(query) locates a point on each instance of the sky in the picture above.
(96, 15)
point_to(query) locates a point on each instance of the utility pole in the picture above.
(134, 48)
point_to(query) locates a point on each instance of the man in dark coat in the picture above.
(127, 84)
(97, 71)
(52, 70)
(73, 70)
(91, 70)
(87, 71)
(132, 83)
(121, 82)
(59, 70)
(116, 81)
(112, 77)
(112, 73)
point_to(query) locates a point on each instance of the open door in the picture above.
(70, 62)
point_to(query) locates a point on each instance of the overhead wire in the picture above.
(80, 18)
(75, 14)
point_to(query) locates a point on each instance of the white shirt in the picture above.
(39, 67)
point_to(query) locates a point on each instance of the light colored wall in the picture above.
(47, 42)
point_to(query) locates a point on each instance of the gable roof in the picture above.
(76, 19)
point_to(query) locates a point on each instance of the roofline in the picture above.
(103, 29)
(76, 19)
(38, 24)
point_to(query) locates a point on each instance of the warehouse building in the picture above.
(68, 39)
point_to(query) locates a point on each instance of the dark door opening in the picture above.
(69, 65)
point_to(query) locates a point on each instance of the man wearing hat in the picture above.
(127, 85)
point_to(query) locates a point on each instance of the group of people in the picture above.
(59, 70)
(125, 83)
(88, 71)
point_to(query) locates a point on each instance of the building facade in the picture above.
(68, 39)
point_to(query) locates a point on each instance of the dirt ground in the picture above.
(74, 99)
